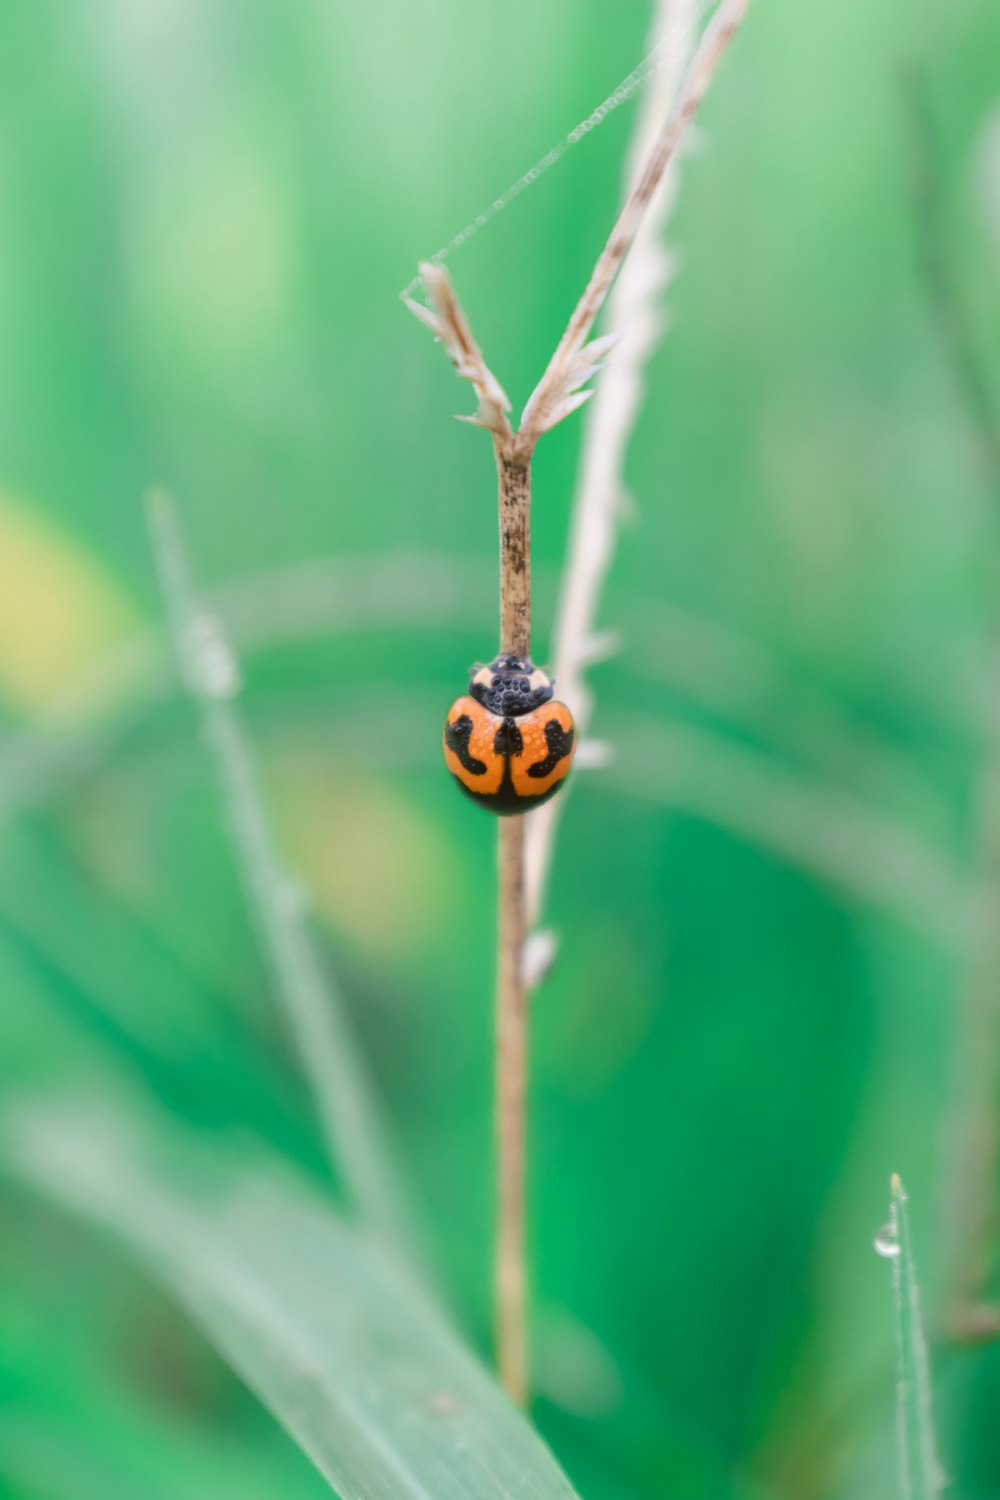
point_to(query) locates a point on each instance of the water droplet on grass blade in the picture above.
(886, 1242)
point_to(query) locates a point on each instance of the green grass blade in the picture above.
(320, 1318)
(920, 1475)
(315, 1012)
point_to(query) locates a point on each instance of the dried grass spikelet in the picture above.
(449, 325)
(552, 398)
(560, 391)
(577, 357)
(558, 395)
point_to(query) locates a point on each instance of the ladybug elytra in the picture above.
(507, 742)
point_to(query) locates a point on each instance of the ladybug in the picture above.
(507, 742)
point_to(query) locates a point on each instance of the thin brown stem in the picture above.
(514, 476)
(510, 1286)
(510, 1291)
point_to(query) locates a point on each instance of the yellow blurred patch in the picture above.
(372, 862)
(60, 609)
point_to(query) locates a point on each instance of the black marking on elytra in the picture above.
(456, 737)
(560, 743)
(511, 692)
(505, 801)
(507, 740)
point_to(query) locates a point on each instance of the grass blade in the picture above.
(320, 1318)
(316, 1016)
(920, 1475)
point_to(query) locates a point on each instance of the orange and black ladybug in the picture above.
(507, 742)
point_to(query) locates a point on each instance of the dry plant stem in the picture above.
(510, 1284)
(317, 1018)
(973, 1207)
(560, 392)
(943, 281)
(514, 475)
(635, 319)
(542, 410)
(510, 1294)
(511, 1057)
(975, 1147)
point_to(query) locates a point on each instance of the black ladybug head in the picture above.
(510, 685)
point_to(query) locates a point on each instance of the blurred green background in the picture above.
(773, 964)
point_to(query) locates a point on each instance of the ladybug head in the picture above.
(510, 685)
